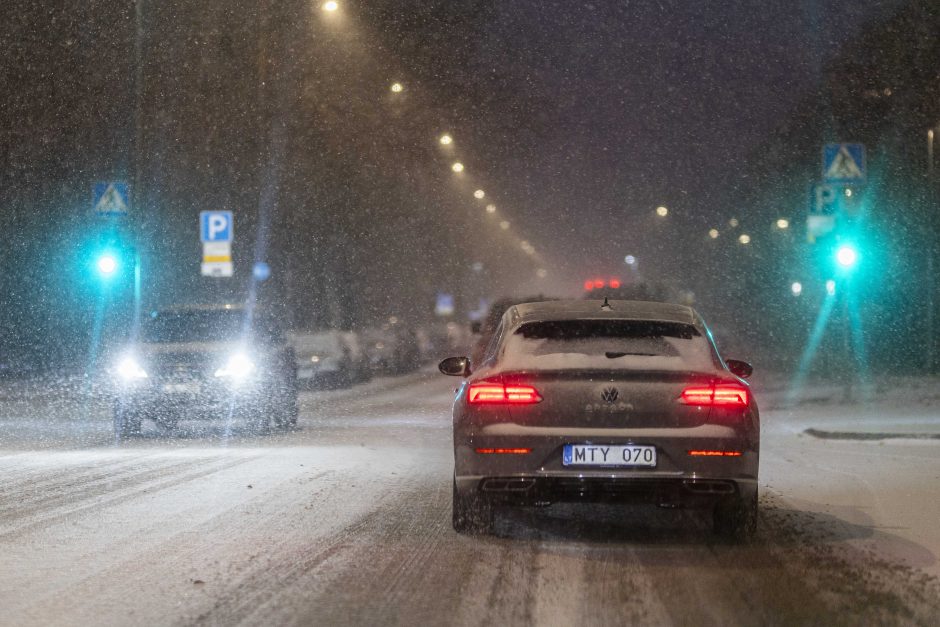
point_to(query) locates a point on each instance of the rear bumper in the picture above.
(541, 476)
(542, 489)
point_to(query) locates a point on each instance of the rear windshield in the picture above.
(207, 326)
(608, 345)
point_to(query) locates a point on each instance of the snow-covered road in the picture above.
(346, 520)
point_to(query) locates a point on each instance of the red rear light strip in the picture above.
(498, 393)
(715, 453)
(504, 451)
(715, 395)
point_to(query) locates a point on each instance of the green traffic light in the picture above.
(107, 264)
(846, 256)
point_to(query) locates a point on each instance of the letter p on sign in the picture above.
(215, 226)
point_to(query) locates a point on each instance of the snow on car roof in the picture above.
(593, 309)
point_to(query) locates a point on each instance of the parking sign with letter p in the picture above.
(215, 226)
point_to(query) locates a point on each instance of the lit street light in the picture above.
(457, 167)
(491, 208)
(629, 260)
(783, 223)
(796, 288)
(479, 194)
(733, 223)
(713, 233)
(330, 6)
(397, 88)
(744, 238)
(662, 212)
(504, 225)
(446, 140)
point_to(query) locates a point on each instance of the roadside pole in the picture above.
(931, 255)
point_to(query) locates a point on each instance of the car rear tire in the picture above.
(736, 519)
(471, 513)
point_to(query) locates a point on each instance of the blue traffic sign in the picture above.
(843, 163)
(215, 226)
(111, 198)
(445, 304)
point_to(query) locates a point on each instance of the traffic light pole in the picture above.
(932, 197)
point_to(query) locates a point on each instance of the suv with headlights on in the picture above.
(196, 363)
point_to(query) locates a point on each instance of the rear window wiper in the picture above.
(616, 354)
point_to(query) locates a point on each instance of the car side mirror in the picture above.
(740, 368)
(455, 366)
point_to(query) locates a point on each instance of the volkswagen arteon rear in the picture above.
(605, 401)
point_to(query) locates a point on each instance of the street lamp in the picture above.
(504, 225)
(783, 223)
(446, 140)
(713, 233)
(796, 288)
(661, 211)
(330, 6)
(491, 208)
(733, 223)
(744, 238)
(479, 194)
(397, 88)
(457, 167)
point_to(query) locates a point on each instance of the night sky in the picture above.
(629, 105)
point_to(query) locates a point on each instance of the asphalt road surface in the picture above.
(346, 520)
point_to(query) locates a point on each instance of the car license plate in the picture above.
(609, 455)
(191, 387)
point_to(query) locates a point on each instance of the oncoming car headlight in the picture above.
(128, 369)
(237, 367)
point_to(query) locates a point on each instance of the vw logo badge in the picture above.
(610, 394)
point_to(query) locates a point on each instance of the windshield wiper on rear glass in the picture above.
(615, 355)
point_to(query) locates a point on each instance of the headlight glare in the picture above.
(237, 367)
(128, 369)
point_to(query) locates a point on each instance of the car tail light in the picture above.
(498, 393)
(715, 395)
(710, 453)
(504, 451)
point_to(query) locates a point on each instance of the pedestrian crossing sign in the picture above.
(111, 199)
(843, 163)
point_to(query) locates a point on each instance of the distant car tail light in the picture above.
(498, 393)
(715, 395)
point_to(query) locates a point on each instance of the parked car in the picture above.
(392, 349)
(328, 358)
